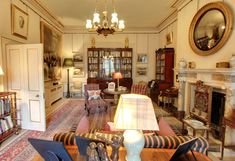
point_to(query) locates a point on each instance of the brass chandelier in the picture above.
(102, 26)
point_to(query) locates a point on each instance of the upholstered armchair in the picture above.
(94, 98)
(139, 89)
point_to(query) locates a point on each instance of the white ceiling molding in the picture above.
(167, 21)
(44, 13)
(178, 3)
(183, 4)
(79, 30)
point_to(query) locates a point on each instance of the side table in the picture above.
(195, 127)
(230, 121)
(115, 94)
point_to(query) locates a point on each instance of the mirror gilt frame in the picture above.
(225, 10)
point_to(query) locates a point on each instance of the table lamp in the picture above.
(135, 113)
(117, 75)
(68, 63)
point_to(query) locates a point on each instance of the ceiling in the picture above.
(141, 14)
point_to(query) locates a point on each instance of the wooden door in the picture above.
(25, 76)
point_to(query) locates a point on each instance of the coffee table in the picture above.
(115, 94)
(148, 154)
(195, 127)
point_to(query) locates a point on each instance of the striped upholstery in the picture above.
(93, 104)
(67, 138)
(139, 89)
(151, 141)
(172, 142)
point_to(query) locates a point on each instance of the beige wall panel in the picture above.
(33, 77)
(34, 108)
(14, 72)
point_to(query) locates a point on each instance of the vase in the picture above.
(182, 64)
(232, 61)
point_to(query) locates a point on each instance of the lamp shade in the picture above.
(68, 62)
(117, 75)
(1, 71)
(135, 112)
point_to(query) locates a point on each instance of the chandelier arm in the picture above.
(114, 9)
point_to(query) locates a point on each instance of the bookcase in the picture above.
(164, 74)
(8, 115)
(103, 62)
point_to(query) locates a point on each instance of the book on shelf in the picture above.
(5, 106)
(6, 123)
(9, 121)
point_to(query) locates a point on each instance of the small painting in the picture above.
(19, 22)
(169, 38)
(142, 58)
(78, 58)
(141, 71)
(78, 71)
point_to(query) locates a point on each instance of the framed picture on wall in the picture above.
(51, 40)
(142, 58)
(78, 71)
(19, 22)
(78, 58)
(169, 38)
(141, 71)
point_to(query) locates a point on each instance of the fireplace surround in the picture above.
(222, 79)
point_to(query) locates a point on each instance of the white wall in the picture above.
(6, 36)
(141, 43)
(184, 50)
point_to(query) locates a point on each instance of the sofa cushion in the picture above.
(94, 94)
(83, 125)
(164, 128)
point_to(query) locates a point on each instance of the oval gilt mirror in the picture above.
(210, 28)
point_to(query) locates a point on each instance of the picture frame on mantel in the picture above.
(19, 22)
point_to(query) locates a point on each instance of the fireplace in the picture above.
(223, 83)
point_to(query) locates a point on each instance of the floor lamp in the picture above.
(68, 63)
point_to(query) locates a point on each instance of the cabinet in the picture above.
(103, 62)
(53, 94)
(164, 74)
(8, 115)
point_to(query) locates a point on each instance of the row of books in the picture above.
(5, 106)
(127, 54)
(6, 123)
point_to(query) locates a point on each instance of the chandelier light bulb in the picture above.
(88, 24)
(121, 24)
(96, 18)
(114, 18)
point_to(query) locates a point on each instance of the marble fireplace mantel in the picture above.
(219, 78)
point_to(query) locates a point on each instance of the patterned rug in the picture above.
(69, 113)
(20, 150)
